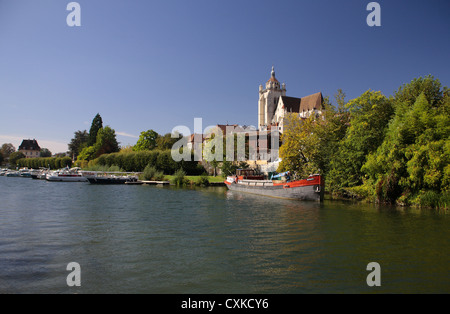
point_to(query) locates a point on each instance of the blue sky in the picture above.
(158, 64)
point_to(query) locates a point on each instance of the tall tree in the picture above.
(77, 144)
(369, 117)
(97, 124)
(106, 141)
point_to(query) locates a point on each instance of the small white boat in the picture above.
(25, 172)
(66, 175)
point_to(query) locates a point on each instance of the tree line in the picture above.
(99, 148)
(393, 150)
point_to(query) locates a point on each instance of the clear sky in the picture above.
(157, 64)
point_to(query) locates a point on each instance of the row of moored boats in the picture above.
(70, 175)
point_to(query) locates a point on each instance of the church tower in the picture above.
(268, 100)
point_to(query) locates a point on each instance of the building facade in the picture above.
(30, 148)
(274, 105)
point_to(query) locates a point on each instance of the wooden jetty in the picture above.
(139, 182)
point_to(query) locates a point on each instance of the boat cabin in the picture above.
(248, 174)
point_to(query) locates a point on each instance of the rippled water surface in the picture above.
(146, 239)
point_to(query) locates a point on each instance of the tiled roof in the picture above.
(29, 145)
(292, 104)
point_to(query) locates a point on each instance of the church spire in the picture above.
(272, 74)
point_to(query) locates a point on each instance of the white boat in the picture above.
(39, 174)
(66, 175)
(25, 172)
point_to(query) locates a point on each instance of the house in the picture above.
(30, 148)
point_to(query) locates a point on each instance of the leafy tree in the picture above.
(167, 141)
(369, 116)
(45, 152)
(79, 142)
(97, 124)
(415, 155)
(407, 94)
(1, 158)
(298, 148)
(88, 153)
(228, 168)
(147, 141)
(14, 157)
(7, 149)
(106, 141)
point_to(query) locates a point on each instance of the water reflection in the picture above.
(210, 240)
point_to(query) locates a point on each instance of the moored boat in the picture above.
(111, 179)
(12, 173)
(25, 173)
(66, 175)
(308, 189)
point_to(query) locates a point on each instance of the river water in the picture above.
(147, 239)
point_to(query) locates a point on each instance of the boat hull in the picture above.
(108, 180)
(298, 190)
(66, 178)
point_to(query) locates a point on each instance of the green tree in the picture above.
(7, 149)
(14, 157)
(78, 142)
(45, 152)
(106, 141)
(147, 141)
(415, 154)
(299, 146)
(369, 116)
(97, 124)
(167, 140)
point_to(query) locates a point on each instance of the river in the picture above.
(148, 239)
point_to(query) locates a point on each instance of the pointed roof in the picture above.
(29, 145)
(272, 76)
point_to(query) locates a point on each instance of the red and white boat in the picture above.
(309, 189)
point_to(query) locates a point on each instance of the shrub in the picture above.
(149, 172)
(202, 180)
(179, 178)
(429, 199)
(159, 176)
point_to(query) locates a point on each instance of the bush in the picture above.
(159, 176)
(179, 178)
(429, 199)
(46, 162)
(202, 180)
(149, 172)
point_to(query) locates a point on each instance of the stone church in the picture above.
(274, 105)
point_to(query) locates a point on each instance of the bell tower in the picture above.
(268, 100)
